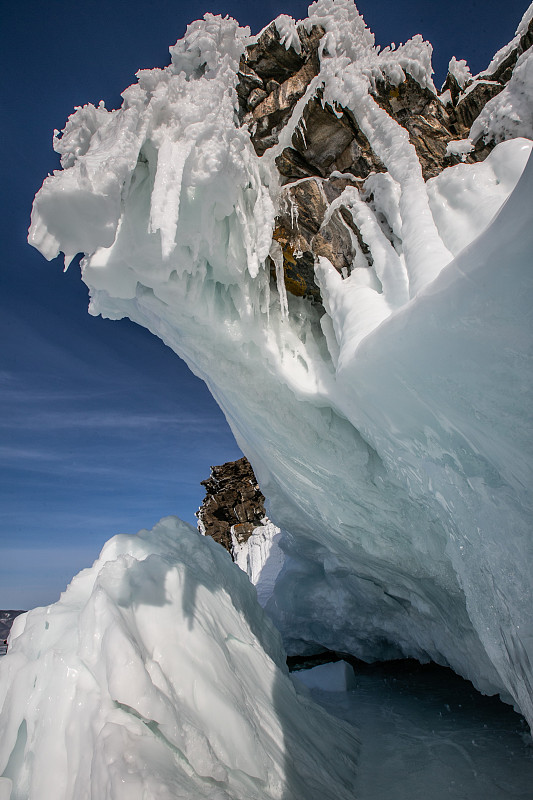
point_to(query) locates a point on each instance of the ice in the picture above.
(157, 675)
(261, 558)
(427, 733)
(465, 199)
(392, 433)
(335, 677)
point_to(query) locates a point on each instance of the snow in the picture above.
(392, 433)
(288, 32)
(464, 199)
(157, 675)
(460, 147)
(460, 71)
(510, 113)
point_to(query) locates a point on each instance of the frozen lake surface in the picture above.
(425, 732)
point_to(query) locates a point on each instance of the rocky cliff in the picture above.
(326, 150)
(233, 500)
(6, 621)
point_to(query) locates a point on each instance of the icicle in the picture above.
(276, 255)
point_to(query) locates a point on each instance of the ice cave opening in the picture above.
(424, 730)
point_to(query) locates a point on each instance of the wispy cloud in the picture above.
(14, 453)
(61, 420)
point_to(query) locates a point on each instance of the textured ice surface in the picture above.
(392, 436)
(158, 676)
(261, 558)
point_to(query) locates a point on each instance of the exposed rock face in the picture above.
(233, 500)
(6, 621)
(326, 142)
(272, 79)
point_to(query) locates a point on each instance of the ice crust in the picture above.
(157, 676)
(392, 435)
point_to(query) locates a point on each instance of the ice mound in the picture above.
(336, 677)
(157, 675)
(390, 427)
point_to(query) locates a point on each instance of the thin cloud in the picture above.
(114, 420)
(14, 453)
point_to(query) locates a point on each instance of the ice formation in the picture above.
(261, 558)
(157, 676)
(390, 427)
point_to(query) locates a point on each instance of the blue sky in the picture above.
(102, 429)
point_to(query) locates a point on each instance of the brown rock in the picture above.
(292, 166)
(471, 105)
(270, 59)
(255, 97)
(302, 209)
(428, 122)
(326, 140)
(335, 243)
(273, 112)
(333, 187)
(233, 498)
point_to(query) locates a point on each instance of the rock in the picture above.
(292, 166)
(272, 113)
(6, 621)
(327, 145)
(333, 187)
(269, 58)
(427, 120)
(452, 86)
(233, 499)
(305, 231)
(303, 207)
(255, 97)
(272, 79)
(298, 264)
(326, 140)
(473, 101)
(335, 243)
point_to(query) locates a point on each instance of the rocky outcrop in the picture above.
(233, 500)
(6, 621)
(327, 151)
(466, 102)
(272, 78)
